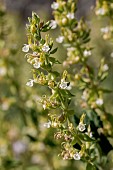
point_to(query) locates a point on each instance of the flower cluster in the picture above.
(105, 9)
(42, 63)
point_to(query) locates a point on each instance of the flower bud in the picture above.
(64, 21)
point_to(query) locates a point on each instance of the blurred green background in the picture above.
(25, 144)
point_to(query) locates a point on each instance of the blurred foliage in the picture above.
(25, 144)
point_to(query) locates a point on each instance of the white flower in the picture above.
(37, 63)
(53, 24)
(99, 102)
(70, 51)
(35, 53)
(64, 85)
(85, 95)
(45, 48)
(104, 30)
(44, 106)
(69, 87)
(48, 124)
(64, 21)
(86, 53)
(54, 5)
(3, 71)
(77, 156)
(30, 83)
(105, 67)
(70, 15)
(81, 127)
(5, 105)
(25, 48)
(55, 124)
(100, 11)
(60, 39)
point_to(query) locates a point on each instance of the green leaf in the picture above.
(65, 92)
(46, 27)
(37, 36)
(53, 51)
(42, 41)
(87, 40)
(103, 76)
(55, 73)
(85, 137)
(74, 141)
(54, 60)
(36, 17)
(86, 80)
(47, 66)
(69, 93)
(92, 117)
(90, 167)
(86, 35)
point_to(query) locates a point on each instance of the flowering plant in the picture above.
(80, 139)
(20, 147)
